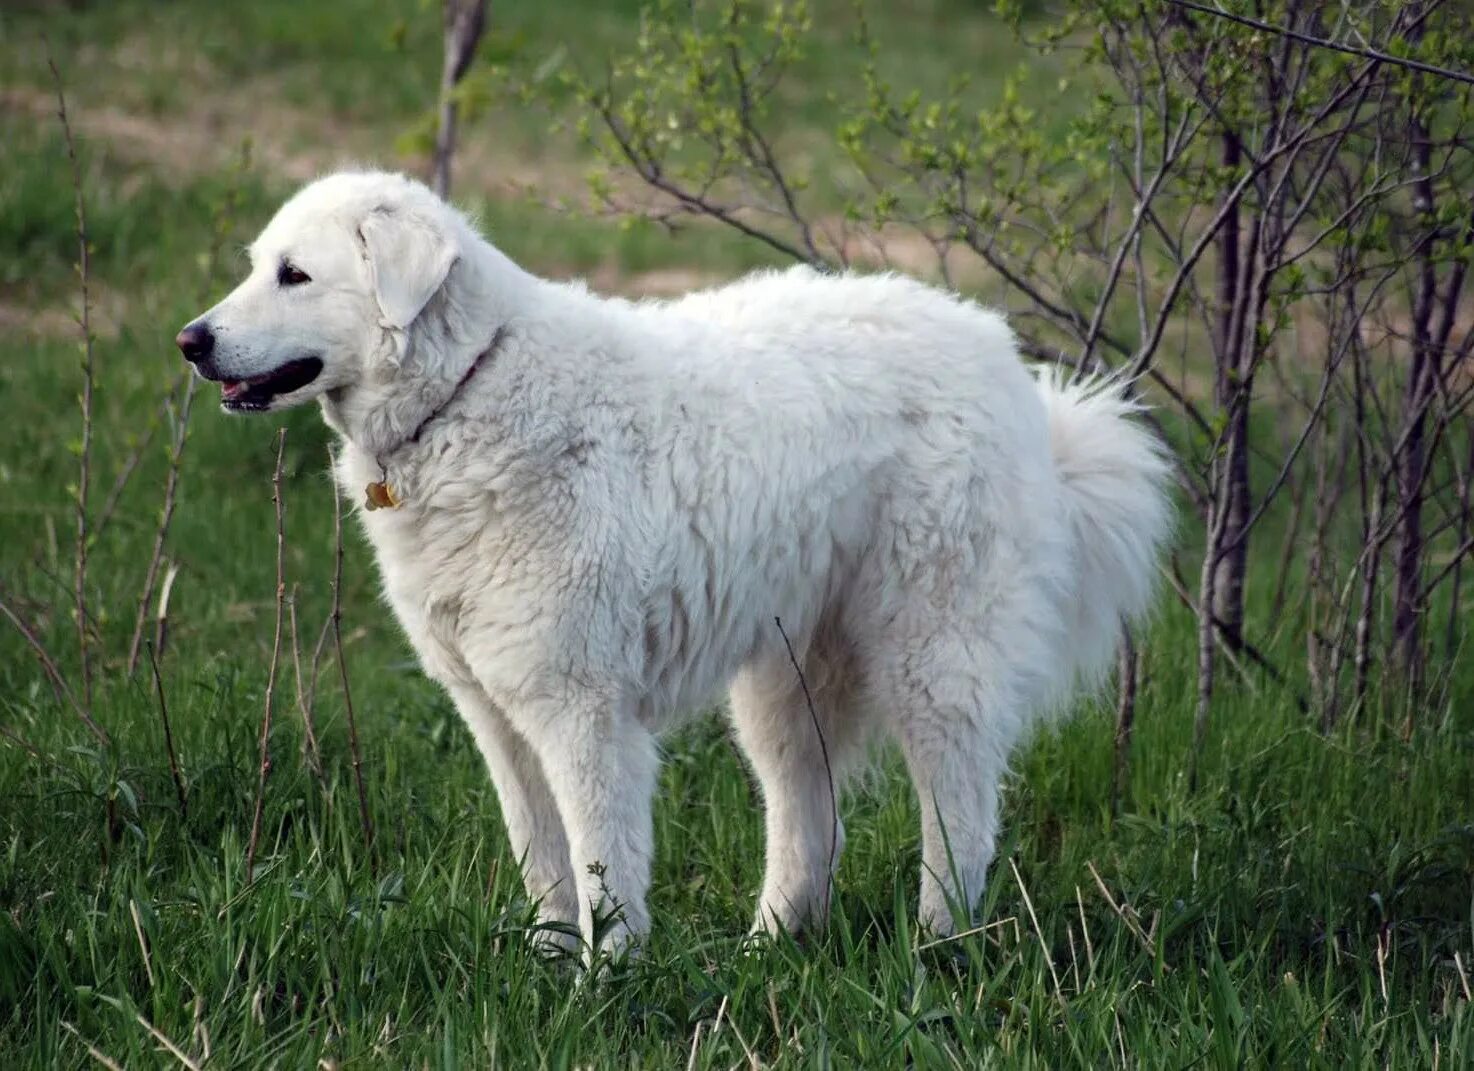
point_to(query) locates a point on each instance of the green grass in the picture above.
(1305, 906)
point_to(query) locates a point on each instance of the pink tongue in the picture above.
(231, 387)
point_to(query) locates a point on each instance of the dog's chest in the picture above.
(468, 566)
(437, 551)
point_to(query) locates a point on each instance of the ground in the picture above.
(1308, 903)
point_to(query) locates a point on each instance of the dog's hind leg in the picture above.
(534, 827)
(797, 764)
(956, 726)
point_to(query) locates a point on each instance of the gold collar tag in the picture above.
(379, 496)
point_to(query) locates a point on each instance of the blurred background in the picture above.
(1256, 847)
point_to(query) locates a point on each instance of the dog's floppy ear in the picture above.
(409, 257)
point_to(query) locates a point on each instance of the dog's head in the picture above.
(337, 279)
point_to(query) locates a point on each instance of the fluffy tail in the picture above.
(1115, 474)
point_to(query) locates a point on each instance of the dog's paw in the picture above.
(556, 940)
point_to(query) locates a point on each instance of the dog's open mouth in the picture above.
(255, 394)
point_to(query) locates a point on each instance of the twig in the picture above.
(309, 731)
(168, 734)
(1460, 552)
(336, 617)
(201, 1031)
(695, 1044)
(1038, 932)
(752, 1060)
(1129, 663)
(773, 1014)
(1085, 929)
(697, 203)
(180, 438)
(1122, 912)
(161, 616)
(1334, 46)
(174, 1050)
(315, 670)
(1233, 644)
(281, 590)
(938, 941)
(148, 963)
(58, 683)
(757, 147)
(246, 889)
(22, 743)
(120, 484)
(92, 1050)
(828, 770)
(84, 458)
(171, 497)
(1382, 943)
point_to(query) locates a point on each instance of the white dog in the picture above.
(592, 516)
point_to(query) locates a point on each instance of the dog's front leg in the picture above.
(529, 812)
(601, 765)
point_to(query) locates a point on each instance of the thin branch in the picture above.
(1124, 912)
(828, 770)
(1451, 627)
(650, 171)
(48, 664)
(310, 749)
(1232, 644)
(1439, 577)
(281, 590)
(22, 743)
(1129, 672)
(222, 228)
(120, 483)
(153, 661)
(1059, 994)
(336, 617)
(174, 1050)
(1230, 204)
(314, 672)
(761, 152)
(92, 1050)
(1180, 137)
(161, 616)
(1334, 46)
(166, 518)
(84, 456)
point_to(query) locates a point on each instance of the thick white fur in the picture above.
(600, 527)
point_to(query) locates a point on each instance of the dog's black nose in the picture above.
(196, 342)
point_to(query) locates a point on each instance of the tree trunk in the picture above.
(464, 21)
(1129, 666)
(1412, 462)
(1234, 264)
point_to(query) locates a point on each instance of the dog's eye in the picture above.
(287, 275)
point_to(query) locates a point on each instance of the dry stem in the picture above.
(281, 591)
(828, 771)
(153, 661)
(48, 664)
(310, 749)
(1129, 672)
(171, 498)
(84, 461)
(336, 617)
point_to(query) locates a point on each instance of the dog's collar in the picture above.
(379, 494)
